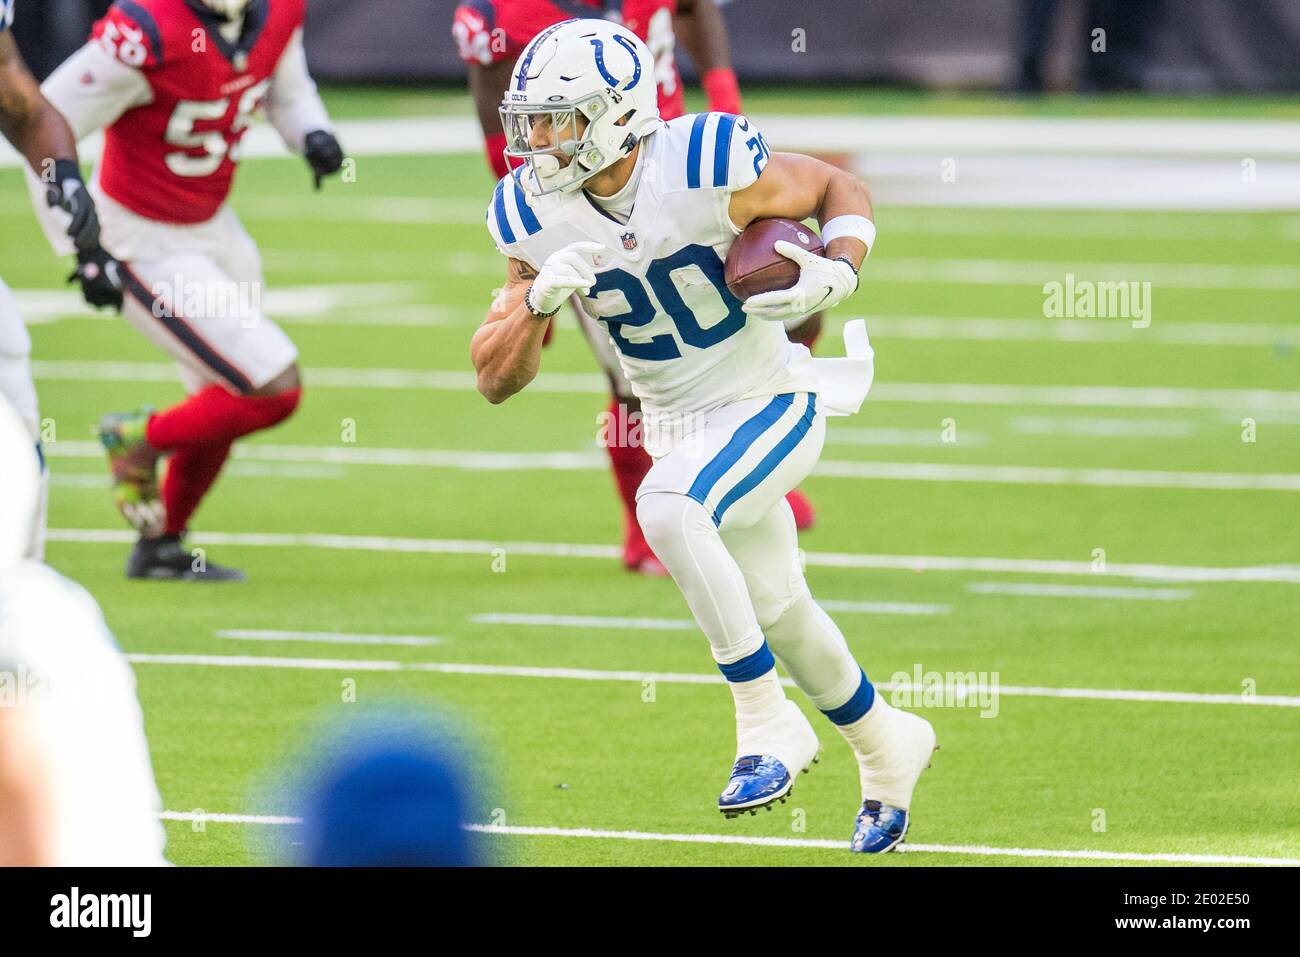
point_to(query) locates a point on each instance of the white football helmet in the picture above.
(588, 67)
(230, 9)
(20, 477)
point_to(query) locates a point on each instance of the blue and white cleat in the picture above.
(756, 781)
(879, 828)
(762, 774)
(888, 776)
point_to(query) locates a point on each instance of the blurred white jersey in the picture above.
(682, 338)
(17, 387)
(58, 659)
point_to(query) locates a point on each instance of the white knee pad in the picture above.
(666, 517)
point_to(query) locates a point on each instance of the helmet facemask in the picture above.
(569, 126)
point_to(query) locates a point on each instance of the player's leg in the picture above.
(16, 385)
(241, 374)
(628, 458)
(892, 746)
(719, 473)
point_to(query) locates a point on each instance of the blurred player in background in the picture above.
(42, 136)
(490, 35)
(76, 784)
(175, 84)
(735, 414)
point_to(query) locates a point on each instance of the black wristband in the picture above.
(857, 280)
(528, 304)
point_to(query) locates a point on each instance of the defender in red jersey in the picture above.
(175, 85)
(491, 34)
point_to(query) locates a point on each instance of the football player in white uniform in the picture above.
(637, 215)
(41, 134)
(76, 784)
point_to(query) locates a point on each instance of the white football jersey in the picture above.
(58, 659)
(683, 340)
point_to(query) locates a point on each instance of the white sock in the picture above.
(870, 734)
(758, 702)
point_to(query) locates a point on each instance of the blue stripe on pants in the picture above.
(770, 461)
(750, 667)
(855, 707)
(741, 440)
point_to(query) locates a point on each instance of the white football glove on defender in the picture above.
(565, 272)
(822, 283)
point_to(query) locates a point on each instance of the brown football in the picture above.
(753, 266)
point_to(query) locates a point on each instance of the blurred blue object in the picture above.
(391, 792)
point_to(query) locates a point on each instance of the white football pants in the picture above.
(714, 511)
(195, 292)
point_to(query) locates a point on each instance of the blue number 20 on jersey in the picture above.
(641, 309)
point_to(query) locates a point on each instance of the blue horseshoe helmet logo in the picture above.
(626, 44)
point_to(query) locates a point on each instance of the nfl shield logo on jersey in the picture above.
(629, 240)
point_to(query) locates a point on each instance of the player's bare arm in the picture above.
(26, 806)
(36, 129)
(507, 348)
(487, 85)
(40, 133)
(794, 186)
(698, 24)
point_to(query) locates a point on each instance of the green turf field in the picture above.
(398, 502)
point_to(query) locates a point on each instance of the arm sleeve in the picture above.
(747, 151)
(293, 106)
(91, 89)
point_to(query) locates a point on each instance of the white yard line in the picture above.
(993, 329)
(205, 817)
(1046, 475)
(327, 637)
(591, 674)
(1079, 591)
(687, 624)
(1000, 272)
(928, 393)
(979, 850)
(902, 438)
(951, 135)
(101, 480)
(476, 461)
(883, 607)
(912, 563)
(1109, 428)
(584, 621)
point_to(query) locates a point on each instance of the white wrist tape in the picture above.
(857, 227)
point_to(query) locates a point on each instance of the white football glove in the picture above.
(565, 272)
(822, 284)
